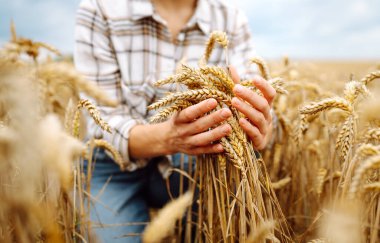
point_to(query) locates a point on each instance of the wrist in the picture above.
(164, 140)
(148, 141)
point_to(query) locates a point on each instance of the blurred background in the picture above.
(301, 29)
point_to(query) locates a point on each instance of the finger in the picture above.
(234, 74)
(253, 133)
(256, 117)
(211, 120)
(195, 111)
(209, 149)
(206, 138)
(257, 102)
(268, 91)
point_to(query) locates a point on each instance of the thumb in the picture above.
(234, 75)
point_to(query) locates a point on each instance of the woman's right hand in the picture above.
(192, 131)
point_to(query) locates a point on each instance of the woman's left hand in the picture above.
(258, 119)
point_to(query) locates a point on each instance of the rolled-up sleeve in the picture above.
(95, 58)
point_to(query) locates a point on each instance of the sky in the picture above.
(301, 29)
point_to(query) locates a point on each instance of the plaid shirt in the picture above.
(124, 46)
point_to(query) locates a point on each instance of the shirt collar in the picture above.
(140, 9)
(202, 16)
(143, 8)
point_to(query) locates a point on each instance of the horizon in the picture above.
(300, 29)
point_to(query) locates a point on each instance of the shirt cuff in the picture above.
(120, 139)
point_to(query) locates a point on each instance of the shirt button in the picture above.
(181, 36)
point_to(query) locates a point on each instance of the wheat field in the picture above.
(318, 181)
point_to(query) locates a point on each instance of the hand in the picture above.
(258, 121)
(188, 130)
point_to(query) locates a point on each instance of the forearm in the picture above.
(148, 141)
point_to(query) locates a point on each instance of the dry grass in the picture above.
(318, 182)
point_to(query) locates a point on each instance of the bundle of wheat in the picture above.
(236, 196)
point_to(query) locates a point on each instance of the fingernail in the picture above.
(210, 103)
(243, 121)
(226, 129)
(238, 88)
(258, 80)
(220, 148)
(226, 113)
(235, 101)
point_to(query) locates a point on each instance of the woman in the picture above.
(126, 45)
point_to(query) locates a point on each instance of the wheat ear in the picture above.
(346, 137)
(277, 83)
(281, 183)
(219, 75)
(168, 111)
(192, 95)
(188, 76)
(263, 67)
(262, 232)
(372, 187)
(372, 134)
(353, 89)
(370, 163)
(219, 37)
(108, 147)
(370, 77)
(163, 224)
(326, 104)
(94, 114)
(320, 181)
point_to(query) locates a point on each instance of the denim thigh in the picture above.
(121, 203)
(118, 208)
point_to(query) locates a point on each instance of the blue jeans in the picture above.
(121, 209)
